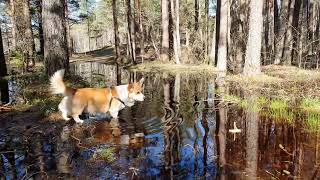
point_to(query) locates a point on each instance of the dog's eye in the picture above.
(138, 92)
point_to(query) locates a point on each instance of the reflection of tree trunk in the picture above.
(205, 138)
(171, 129)
(177, 88)
(252, 135)
(221, 130)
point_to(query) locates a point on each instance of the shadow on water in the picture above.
(183, 130)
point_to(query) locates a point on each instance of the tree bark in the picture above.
(54, 28)
(140, 25)
(165, 30)
(115, 27)
(197, 15)
(177, 8)
(69, 39)
(10, 6)
(253, 51)
(288, 44)
(282, 28)
(175, 29)
(130, 20)
(295, 31)
(223, 34)
(40, 29)
(212, 54)
(3, 66)
(206, 42)
(23, 31)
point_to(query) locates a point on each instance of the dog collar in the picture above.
(116, 99)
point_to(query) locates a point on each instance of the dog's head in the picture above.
(135, 90)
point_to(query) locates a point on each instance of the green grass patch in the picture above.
(310, 105)
(313, 122)
(108, 154)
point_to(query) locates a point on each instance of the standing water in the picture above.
(185, 129)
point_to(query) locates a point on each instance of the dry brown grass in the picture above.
(171, 68)
(287, 81)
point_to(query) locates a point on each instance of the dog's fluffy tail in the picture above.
(56, 83)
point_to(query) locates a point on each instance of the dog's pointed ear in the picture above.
(141, 81)
(130, 87)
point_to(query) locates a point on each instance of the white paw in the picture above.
(66, 118)
(79, 121)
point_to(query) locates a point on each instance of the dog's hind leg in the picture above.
(64, 108)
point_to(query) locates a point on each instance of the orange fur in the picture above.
(92, 100)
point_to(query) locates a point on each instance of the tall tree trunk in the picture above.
(23, 31)
(115, 27)
(295, 31)
(283, 26)
(10, 6)
(130, 20)
(276, 30)
(253, 51)
(69, 39)
(288, 44)
(241, 33)
(212, 54)
(3, 66)
(175, 30)
(140, 25)
(206, 42)
(197, 15)
(55, 36)
(40, 29)
(223, 34)
(165, 30)
(271, 34)
(177, 8)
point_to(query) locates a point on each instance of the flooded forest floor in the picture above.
(179, 131)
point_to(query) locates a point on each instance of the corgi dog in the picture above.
(94, 100)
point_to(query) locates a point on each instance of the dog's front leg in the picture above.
(77, 119)
(114, 113)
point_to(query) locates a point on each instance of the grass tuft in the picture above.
(108, 154)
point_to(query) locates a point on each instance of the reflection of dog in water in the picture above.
(111, 132)
(94, 100)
